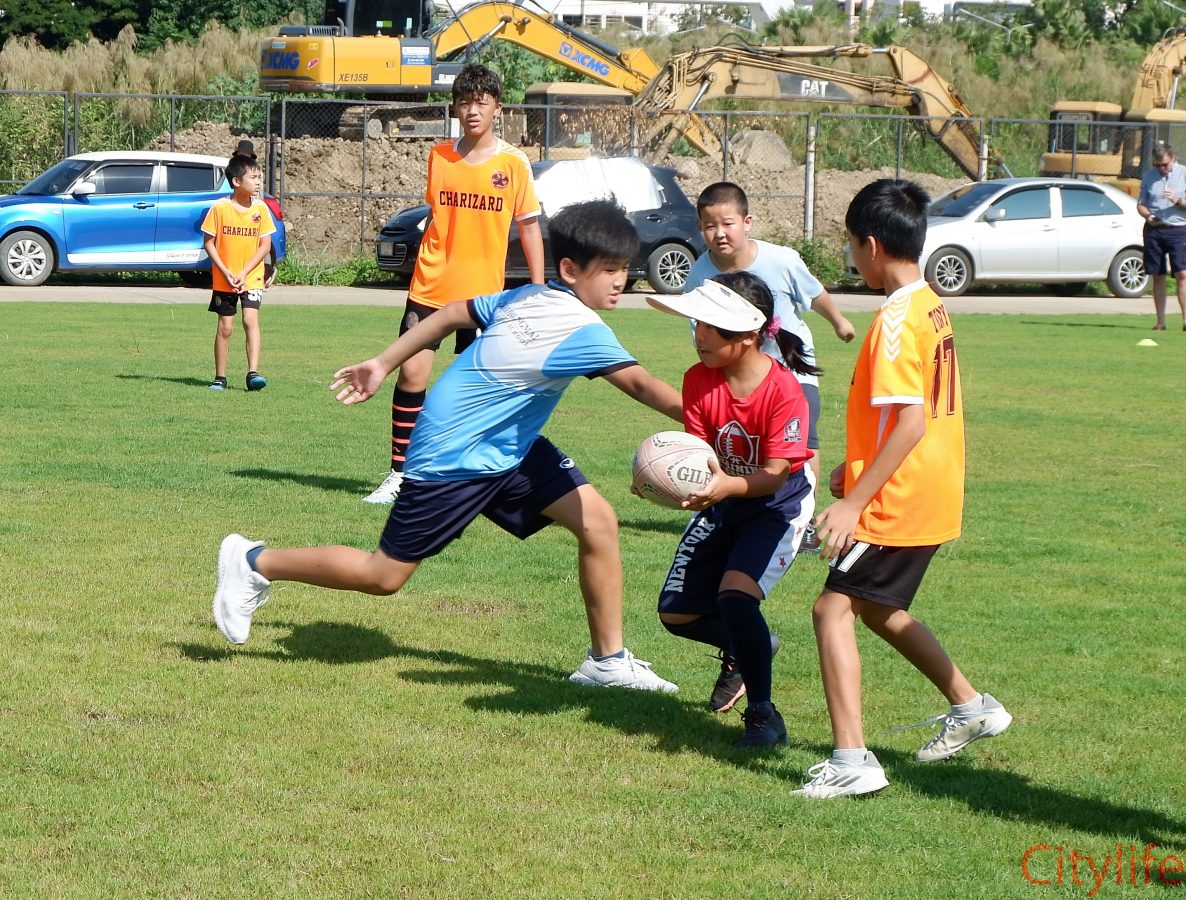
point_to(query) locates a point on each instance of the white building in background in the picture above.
(664, 18)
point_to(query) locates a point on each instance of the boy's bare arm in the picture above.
(826, 307)
(641, 385)
(361, 381)
(531, 239)
(837, 523)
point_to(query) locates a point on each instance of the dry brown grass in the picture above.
(94, 67)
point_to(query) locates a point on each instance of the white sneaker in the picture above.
(827, 779)
(388, 490)
(959, 731)
(240, 590)
(627, 672)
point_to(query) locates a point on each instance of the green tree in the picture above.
(56, 23)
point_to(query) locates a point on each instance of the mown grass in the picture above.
(430, 745)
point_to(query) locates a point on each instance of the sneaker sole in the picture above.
(729, 705)
(381, 501)
(998, 729)
(855, 795)
(586, 681)
(224, 559)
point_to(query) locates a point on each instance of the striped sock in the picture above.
(405, 407)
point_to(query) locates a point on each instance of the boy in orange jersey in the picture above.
(237, 230)
(477, 186)
(901, 490)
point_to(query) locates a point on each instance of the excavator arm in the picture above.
(1157, 80)
(544, 35)
(796, 74)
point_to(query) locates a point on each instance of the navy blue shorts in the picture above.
(1165, 242)
(889, 576)
(415, 312)
(756, 536)
(429, 515)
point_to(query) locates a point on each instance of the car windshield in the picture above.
(57, 179)
(963, 200)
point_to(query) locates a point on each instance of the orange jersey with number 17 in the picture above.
(908, 357)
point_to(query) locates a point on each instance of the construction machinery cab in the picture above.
(363, 18)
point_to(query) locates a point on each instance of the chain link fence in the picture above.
(342, 167)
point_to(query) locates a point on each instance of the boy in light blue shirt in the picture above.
(725, 222)
(477, 447)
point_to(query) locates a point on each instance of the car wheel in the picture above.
(1127, 276)
(668, 267)
(1070, 289)
(26, 259)
(949, 272)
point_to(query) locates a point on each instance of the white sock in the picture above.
(970, 708)
(854, 757)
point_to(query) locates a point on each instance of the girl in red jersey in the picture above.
(749, 520)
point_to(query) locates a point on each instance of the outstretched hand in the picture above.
(713, 492)
(359, 382)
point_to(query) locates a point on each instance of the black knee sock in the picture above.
(750, 638)
(405, 407)
(707, 630)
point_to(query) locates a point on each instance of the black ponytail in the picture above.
(790, 345)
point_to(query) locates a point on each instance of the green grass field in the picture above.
(430, 745)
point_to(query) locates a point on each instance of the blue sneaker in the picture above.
(256, 382)
(218, 384)
(764, 727)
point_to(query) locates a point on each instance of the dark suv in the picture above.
(670, 233)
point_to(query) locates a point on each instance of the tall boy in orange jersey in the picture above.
(237, 230)
(901, 490)
(477, 185)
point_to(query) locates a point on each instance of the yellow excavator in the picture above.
(1105, 141)
(743, 72)
(392, 49)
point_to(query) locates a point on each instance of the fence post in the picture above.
(725, 146)
(809, 182)
(898, 157)
(982, 162)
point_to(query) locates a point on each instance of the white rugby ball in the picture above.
(671, 466)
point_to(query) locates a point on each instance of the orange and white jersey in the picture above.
(463, 254)
(909, 358)
(237, 232)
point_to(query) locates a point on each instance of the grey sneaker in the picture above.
(627, 672)
(827, 780)
(240, 590)
(959, 731)
(388, 490)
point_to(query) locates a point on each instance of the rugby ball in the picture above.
(671, 466)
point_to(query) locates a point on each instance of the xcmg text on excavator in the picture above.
(1106, 142)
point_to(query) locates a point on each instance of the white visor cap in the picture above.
(713, 304)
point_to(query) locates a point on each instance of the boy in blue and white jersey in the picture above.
(477, 447)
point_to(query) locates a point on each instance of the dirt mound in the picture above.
(337, 193)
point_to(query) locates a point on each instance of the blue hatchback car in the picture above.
(116, 211)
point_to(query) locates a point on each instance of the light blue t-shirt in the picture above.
(1153, 182)
(489, 406)
(791, 283)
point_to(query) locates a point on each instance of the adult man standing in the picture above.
(1162, 204)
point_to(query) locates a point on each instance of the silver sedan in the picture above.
(1054, 231)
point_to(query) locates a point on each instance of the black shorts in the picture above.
(1165, 242)
(811, 392)
(223, 302)
(414, 312)
(886, 575)
(429, 515)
